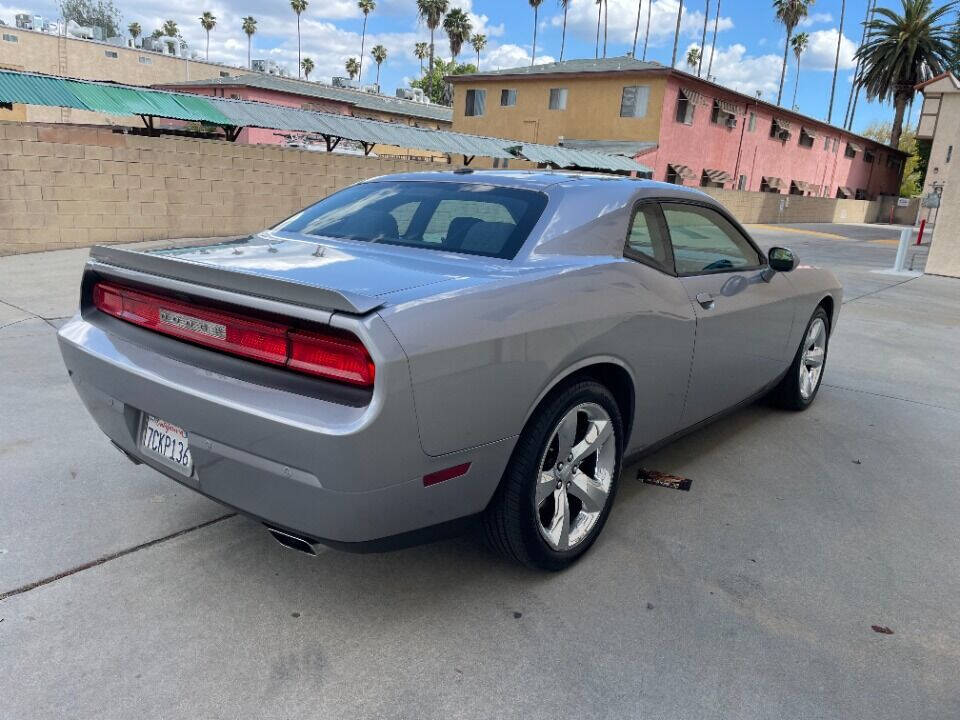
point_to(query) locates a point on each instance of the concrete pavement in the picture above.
(751, 596)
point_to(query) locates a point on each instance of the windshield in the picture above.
(455, 217)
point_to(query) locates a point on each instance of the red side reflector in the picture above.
(448, 474)
(335, 355)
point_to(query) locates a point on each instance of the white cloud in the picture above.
(622, 19)
(735, 69)
(510, 56)
(816, 19)
(822, 51)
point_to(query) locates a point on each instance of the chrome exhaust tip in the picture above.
(292, 541)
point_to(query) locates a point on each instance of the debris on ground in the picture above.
(655, 477)
(882, 629)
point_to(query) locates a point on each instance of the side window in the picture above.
(645, 241)
(704, 241)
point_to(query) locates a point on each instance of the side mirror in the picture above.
(781, 259)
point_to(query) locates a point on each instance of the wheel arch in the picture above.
(829, 305)
(611, 372)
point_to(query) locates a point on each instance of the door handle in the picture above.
(706, 300)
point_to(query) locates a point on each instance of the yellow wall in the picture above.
(592, 113)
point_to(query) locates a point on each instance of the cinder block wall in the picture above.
(67, 186)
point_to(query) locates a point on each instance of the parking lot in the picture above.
(753, 595)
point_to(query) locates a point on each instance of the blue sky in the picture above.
(748, 54)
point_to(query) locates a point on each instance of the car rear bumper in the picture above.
(330, 471)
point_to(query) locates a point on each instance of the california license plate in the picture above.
(167, 443)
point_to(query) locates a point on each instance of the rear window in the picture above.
(454, 217)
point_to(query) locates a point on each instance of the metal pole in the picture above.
(902, 250)
(923, 224)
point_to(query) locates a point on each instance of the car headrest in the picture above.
(487, 237)
(457, 232)
(373, 224)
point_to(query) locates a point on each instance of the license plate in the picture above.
(166, 442)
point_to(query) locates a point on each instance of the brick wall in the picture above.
(66, 186)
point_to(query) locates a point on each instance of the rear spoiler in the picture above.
(104, 258)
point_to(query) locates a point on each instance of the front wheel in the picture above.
(558, 489)
(799, 386)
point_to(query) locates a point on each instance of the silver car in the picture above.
(418, 351)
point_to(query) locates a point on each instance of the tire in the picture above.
(798, 389)
(524, 520)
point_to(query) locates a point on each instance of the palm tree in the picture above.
(799, 44)
(703, 39)
(298, 6)
(535, 4)
(208, 21)
(458, 28)
(565, 4)
(479, 42)
(836, 61)
(420, 50)
(904, 50)
(789, 12)
(693, 57)
(249, 27)
(676, 35)
(366, 7)
(135, 30)
(606, 14)
(170, 29)
(596, 52)
(432, 12)
(636, 30)
(379, 54)
(352, 67)
(713, 48)
(646, 35)
(307, 65)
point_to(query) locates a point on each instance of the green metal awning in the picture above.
(202, 108)
(37, 90)
(119, 100)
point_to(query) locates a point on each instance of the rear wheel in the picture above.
(558, 489)
(799, 386)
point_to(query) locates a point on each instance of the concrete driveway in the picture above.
(751, 596)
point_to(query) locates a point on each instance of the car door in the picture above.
(658, 337)
(744, 314)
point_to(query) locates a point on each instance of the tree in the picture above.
(646, 34)
(433, 84)
(606, 14)
(596, 51)
(420, 50)
(703, 39)
(676, 35)
(479, 42)
(904, 50)
(170, 28)
(135, 30)
(565, 6)
(636, 30)
(790, 13)
(352, 67)
(366, 7)
(208, 22)
(298, 6)
(458, 27)
(915, 169)
(836, 61)
(102, 13)
(799, 44)
(535, 4)
(432, 12)
(693, 57)
(713, 47)
(379, 54)
(249, 27)
(307, 65)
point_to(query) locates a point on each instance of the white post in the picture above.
(902, 250)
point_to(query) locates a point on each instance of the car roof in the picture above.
(541, 180)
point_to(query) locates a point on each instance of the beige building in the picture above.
(91, 60)
(940, 122)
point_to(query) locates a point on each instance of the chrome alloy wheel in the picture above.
(576, 473)
(814, 354)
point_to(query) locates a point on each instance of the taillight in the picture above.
(334, 355)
